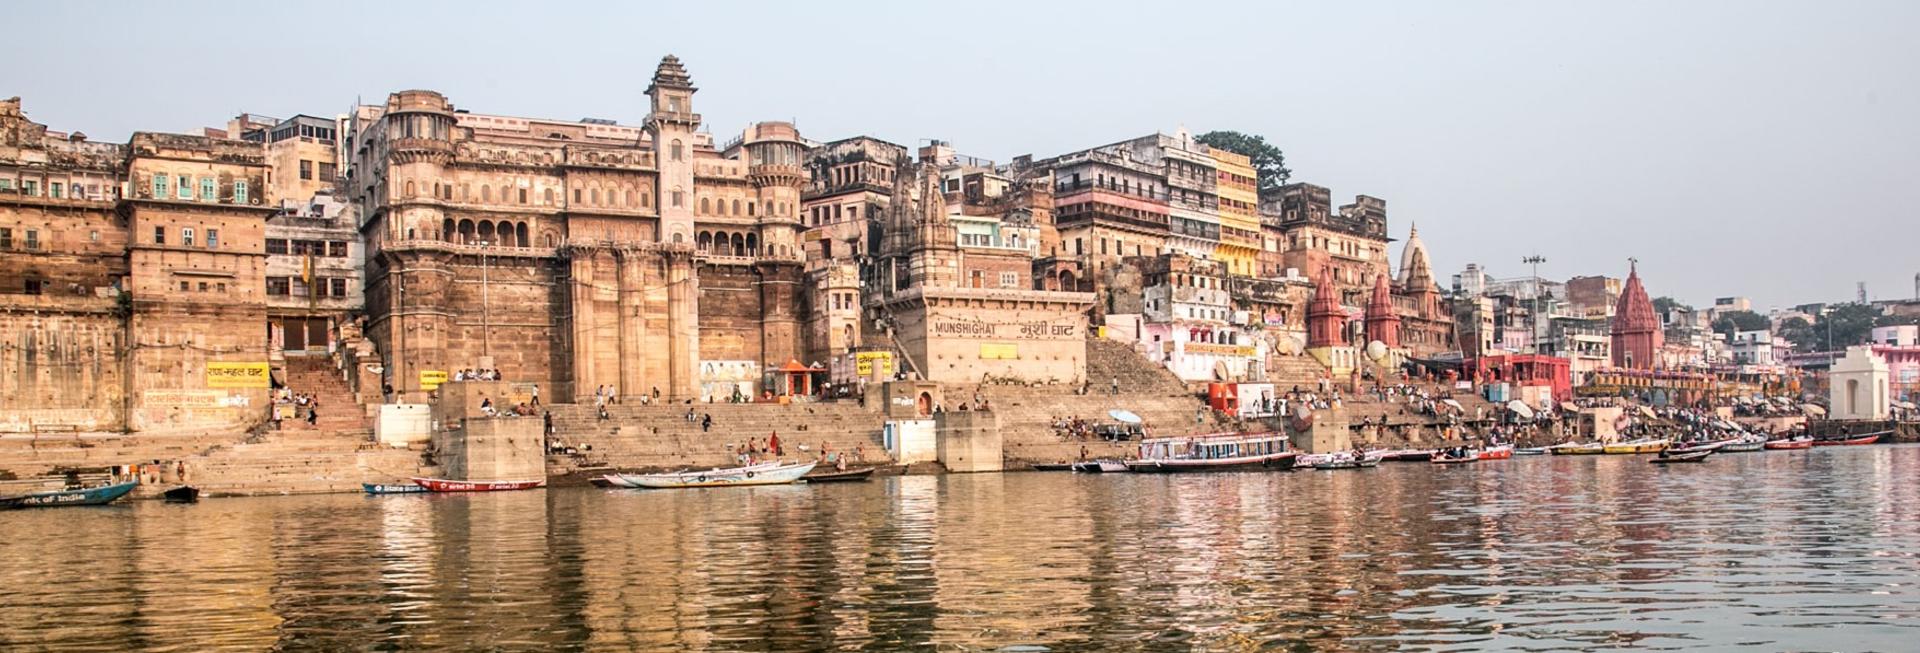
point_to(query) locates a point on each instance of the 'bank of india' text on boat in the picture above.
(450, 485)
(391, 488)
(1211, 453)
(92, 496)
(779, 474)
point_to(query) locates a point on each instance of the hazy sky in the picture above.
(1764, 149)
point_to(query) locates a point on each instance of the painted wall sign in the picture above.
(237, 375)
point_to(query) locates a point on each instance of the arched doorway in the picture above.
(925, 404)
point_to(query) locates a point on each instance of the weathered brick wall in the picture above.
(62, 369)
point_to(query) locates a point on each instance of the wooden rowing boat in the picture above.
(1689, 457)
(1790, 444)
(851, 475)
(92, 496)
(1588, 449)
(1869, 438)
(1532, 451)
(1691, 447)
(763, 474)
(182, 494)
(1445, 460)
(1051, 467)
(1744, 444)
(450, 485)
(1406, 455)
(1636, 446)
(391, 488)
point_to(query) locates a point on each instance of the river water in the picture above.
(1761, 551)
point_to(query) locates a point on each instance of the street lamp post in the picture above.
(1535, 261)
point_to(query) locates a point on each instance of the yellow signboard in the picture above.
(431, 379)
(999, 351)
(237, 375)
(864, 362)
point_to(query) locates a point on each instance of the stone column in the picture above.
(683, 325)
(632, 330)
(582, 301)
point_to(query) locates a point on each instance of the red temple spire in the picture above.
(1382, 324)
(1636, 329)
(1325, 317)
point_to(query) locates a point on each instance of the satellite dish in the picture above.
(1376, 350)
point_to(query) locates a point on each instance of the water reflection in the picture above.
(1771, 551)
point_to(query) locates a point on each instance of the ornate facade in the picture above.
(1636, 330)
(580, 255)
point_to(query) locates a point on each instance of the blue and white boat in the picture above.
(383, 488)
(92, 496)
(762, 474)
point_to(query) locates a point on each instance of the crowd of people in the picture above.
(476, 375)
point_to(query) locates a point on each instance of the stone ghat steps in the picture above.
(1109, 359)
(639, 437)
(1026, 421)
(1286, 372)
(25, 458)
(268, 470)
(318, 377)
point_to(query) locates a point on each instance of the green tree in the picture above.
(1798, 331)
(1844, 325)
(1732, 321)
(1268, 161)
(1664, 305)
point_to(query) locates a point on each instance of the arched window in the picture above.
(486, 193)
(704, 241)
(594, 196)
(679, 199)
(749, 208)
(736, 207)
(753, 245)
(739, 245)
(676, 239)
(520, 234)
(549, 238)
(646, 198)
(446, 229)
(466, 231)
(486, 232)
(409, 188)
(678, 150)
(703, 206)
(523, 196)
(629, 197)
(549, 196)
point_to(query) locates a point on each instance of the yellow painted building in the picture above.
(1239, 213)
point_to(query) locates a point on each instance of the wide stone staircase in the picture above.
(1162, 401)
(659, 436)
(319, 377)
(302, 462)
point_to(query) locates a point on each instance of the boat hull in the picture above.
(93, 496)
(391, 488)
(1848, 442)
(1497, 453)
(1051, 467)
(1788, 445)
(448, 485)
(1690, 457)
(1635, 447)
(849, 476)
(1274, 462)
(737, 476)
(1578, 450)
(182, 494)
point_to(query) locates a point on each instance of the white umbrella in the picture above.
(1813, 410)
(1124, 416)
(1520, 407)
(1454, 404)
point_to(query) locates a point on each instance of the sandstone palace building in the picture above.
(186, 281)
